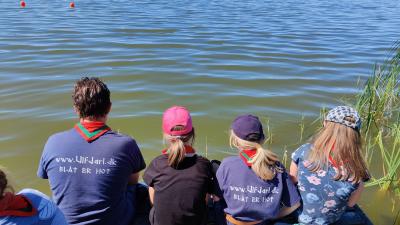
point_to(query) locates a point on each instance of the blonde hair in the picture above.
(176, 146)
(344, 145)
(264, 162)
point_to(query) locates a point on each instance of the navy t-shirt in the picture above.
(324, 199)
(248, 197)
(89, 180)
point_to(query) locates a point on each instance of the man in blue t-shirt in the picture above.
(92, 169)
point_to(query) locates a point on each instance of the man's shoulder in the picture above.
(62, 135)
(119, 137)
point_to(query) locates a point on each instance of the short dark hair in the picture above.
(91, 97)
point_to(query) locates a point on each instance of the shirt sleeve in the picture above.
(149, 174)
(220, 178)
(42, 168)
(298, 154)
(290, 194)
(138, 163)
(214, 187)
(41, 172)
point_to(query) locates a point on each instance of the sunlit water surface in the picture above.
(280, 60)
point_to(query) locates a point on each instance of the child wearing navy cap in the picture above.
(254, 183)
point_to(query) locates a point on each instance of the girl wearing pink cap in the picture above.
(255, 186)
(178, 179)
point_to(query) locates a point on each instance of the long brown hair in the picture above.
(176, 145)
(263, 162)
(344, 146)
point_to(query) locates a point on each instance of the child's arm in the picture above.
(293, 172)
(355, 196)
(287, 210)
(151, 195)
(133, 178)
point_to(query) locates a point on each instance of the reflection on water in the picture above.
(279, 60)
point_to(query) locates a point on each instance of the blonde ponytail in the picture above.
(176, 152)
(176, 149)
(264, 162)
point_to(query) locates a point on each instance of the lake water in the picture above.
(280, 60)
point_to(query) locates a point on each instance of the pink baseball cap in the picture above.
(175, 116)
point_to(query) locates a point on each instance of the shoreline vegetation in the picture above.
(378, 104)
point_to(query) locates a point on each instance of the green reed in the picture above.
(379, 99)
(389, 149)
(378, 104)
(285, 157)
(301, 126)
(268, 131)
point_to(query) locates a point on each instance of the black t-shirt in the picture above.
(180, 194)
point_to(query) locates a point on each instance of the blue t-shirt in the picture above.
(248, 197)
(47, 212)
(324, 199)
(89, 180)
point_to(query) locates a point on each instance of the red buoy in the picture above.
(72, 5)
(22, 4)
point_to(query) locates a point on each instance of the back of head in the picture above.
(178, 133)
(339, 143)
(247, 133)
(91, 98)
(3, 183)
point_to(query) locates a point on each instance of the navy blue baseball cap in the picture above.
(248, 127)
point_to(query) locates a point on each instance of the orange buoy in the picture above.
(22, 4)
(72, 5)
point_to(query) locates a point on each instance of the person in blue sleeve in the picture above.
(28, 207)
(92, 170)
(330, 170)
(255, 185)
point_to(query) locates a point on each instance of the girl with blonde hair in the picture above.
(255, 186)
(330, 170)
(178, 179)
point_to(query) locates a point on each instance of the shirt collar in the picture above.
(91, 130)
(247, 155)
